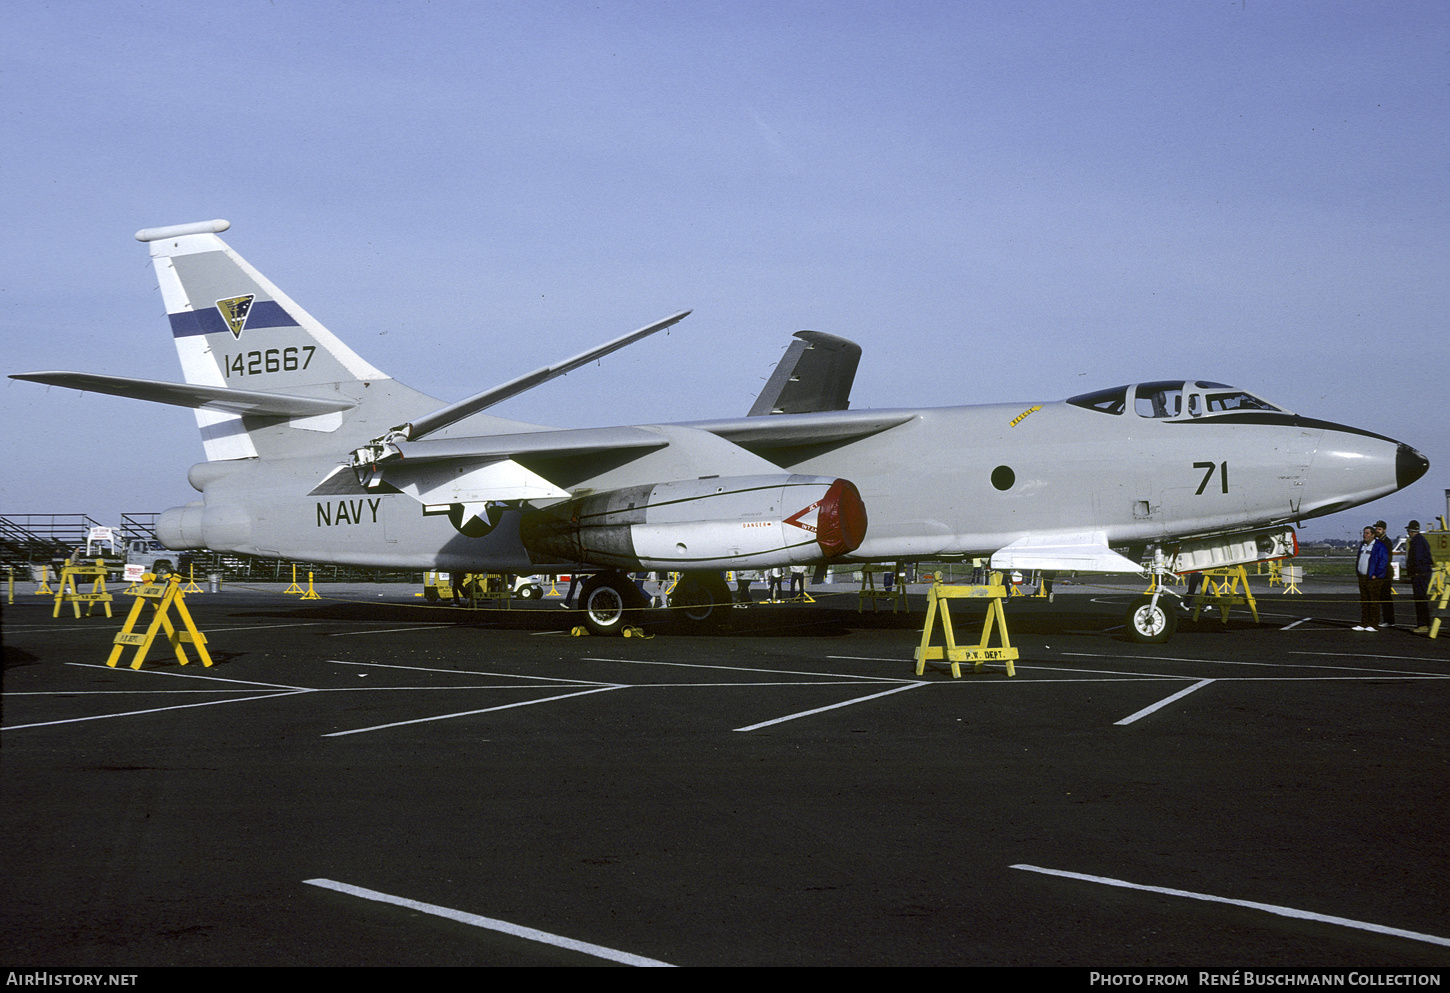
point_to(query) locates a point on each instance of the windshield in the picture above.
(1111, 401)
(1173, 398)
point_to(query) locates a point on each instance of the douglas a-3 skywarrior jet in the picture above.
(314, 454)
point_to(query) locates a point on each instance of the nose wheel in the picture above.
(1153, 619)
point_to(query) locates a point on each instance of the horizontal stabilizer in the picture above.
(191, 395)
(1063, 553)
(814, 375)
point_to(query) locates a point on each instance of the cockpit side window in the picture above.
(1221, 398)
(1112, 401)
(1159, 399)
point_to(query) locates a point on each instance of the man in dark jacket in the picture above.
(1385, 591)
(1419, 564)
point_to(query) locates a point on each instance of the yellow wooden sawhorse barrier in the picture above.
(1439, 608)
(67, 593)
(978, 654)
(896, 594)
(163, 597)
(1225, 593)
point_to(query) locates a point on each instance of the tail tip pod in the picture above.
(177, 230)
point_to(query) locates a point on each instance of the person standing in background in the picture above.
(1370, 565)
(1419, 564)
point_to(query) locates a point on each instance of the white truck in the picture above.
(125, 558)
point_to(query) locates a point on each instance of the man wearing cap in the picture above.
(1384, 590)
(1419, 564)
(1371, 564)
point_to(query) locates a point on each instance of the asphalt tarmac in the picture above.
(365, 780)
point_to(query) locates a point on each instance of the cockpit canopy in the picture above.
(1174, 398)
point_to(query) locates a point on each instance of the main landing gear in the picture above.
(610, 601)
(700, 600)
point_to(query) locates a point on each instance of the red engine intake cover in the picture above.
(841, 519)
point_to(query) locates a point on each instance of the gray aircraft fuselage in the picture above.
(315, 454)
(952, 481)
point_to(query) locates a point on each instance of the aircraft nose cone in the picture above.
(1410, 465)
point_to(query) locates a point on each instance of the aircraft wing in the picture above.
(581, 441)
(807, 429)
(1086, 552)
(815, 374)
(187, 395)
(444, 416)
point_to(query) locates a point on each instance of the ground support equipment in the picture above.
(164, 596)
(44, 588)
(469, 591)
(1439, 609)
(979, 654)
(294, 589)
(1225, 593)
(69, 594)
(311, 593)
(896, 593)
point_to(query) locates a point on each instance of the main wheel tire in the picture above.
(701, 600)
(606, 602)
(1150, 623)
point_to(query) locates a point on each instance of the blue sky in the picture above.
(1000, 202)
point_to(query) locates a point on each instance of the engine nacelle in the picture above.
(198, 525)
(736, 522)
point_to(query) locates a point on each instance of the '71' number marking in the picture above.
(1208, 468)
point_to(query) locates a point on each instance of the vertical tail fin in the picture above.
(234, 328)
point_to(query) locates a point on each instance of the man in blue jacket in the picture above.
(1419, 564)
(1371, 565)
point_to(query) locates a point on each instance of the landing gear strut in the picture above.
(1152, 619)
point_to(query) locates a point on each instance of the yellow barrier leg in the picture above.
(923, 651)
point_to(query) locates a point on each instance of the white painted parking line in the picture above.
(1366, 655)
(188, 675)
(470, 713)
(1375, 673)
(153, 710)
(834, 706)
(492, 924)
(1164, 702)
(852, 677)
(1303, 915)
(415, 627)
(471, 672)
